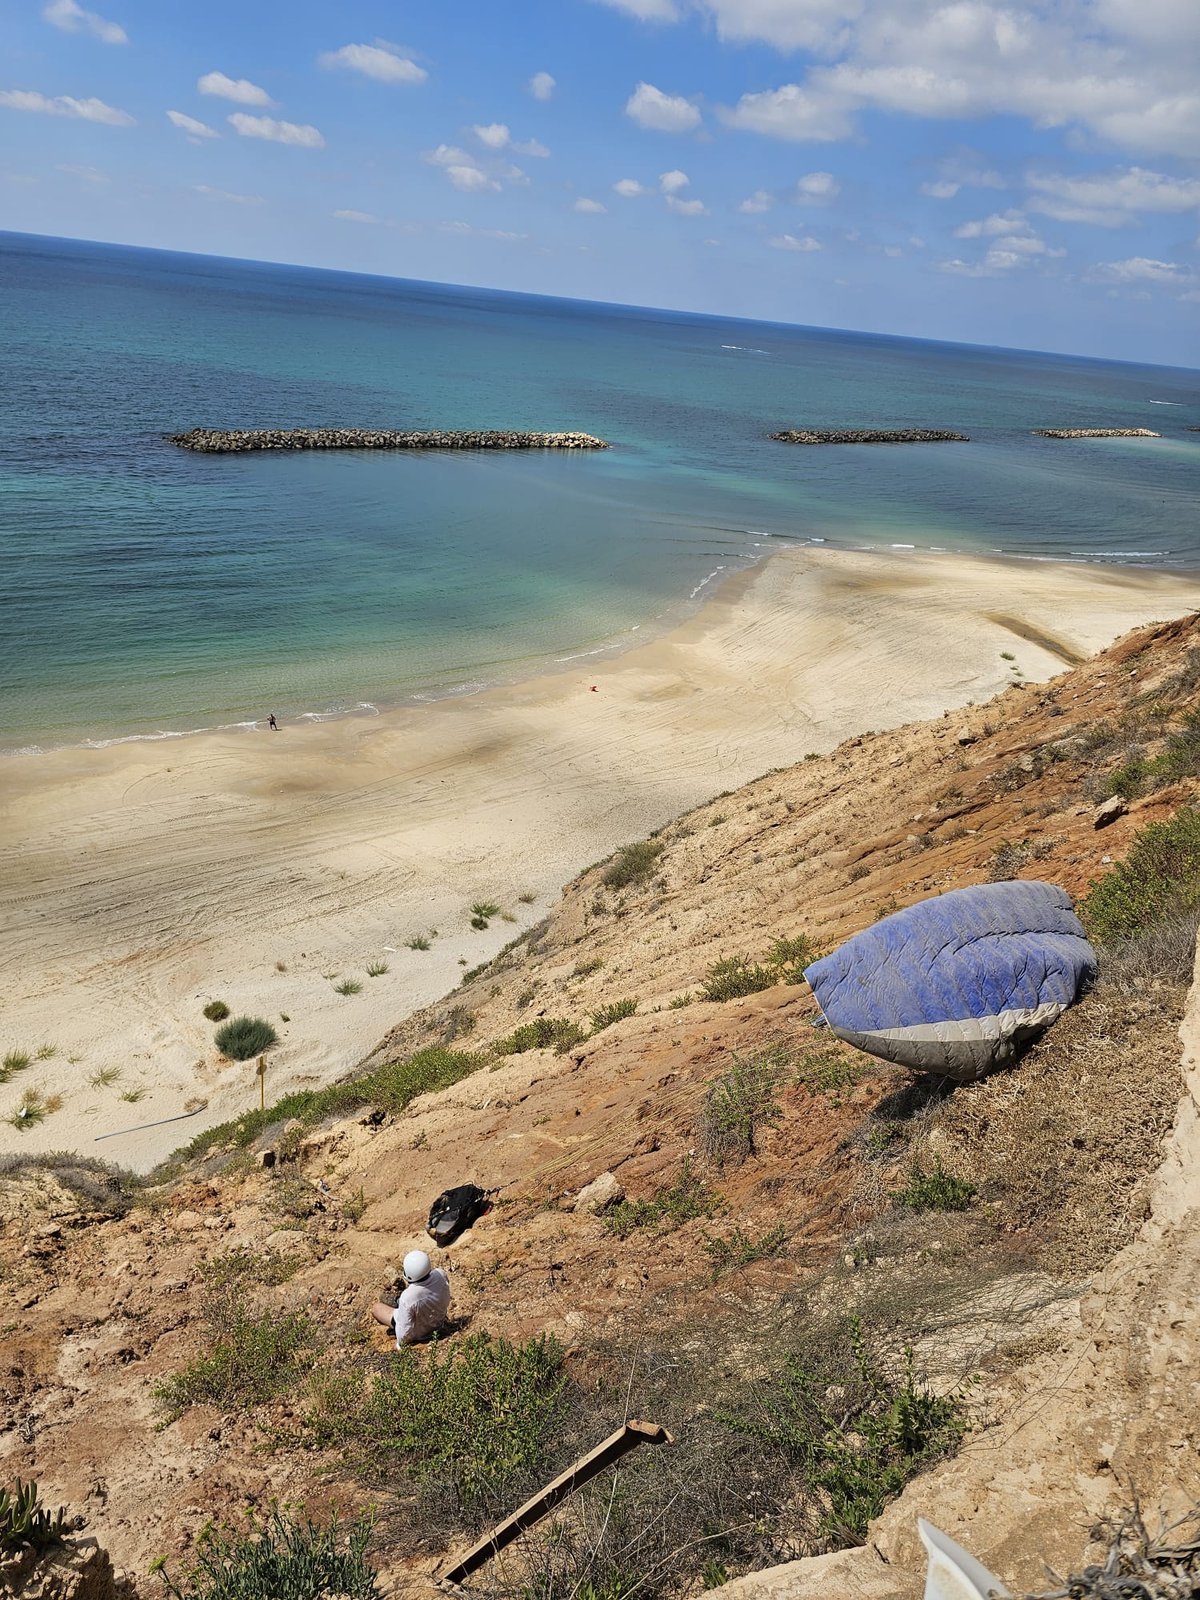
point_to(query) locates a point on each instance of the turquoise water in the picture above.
(147, 589)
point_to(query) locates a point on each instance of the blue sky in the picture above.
(1018, 172)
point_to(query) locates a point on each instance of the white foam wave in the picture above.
(1165, 402)
(705, 582)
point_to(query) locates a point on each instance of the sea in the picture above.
(147, 591)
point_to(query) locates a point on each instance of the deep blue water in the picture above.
(145, 588)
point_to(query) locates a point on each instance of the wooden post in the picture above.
(612, 1449)
(262, 1083)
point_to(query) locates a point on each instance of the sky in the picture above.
(1010, 172)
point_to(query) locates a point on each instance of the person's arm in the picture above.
(403, 1322)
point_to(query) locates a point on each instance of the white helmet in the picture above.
(417, 1266)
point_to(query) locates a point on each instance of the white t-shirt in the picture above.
(422, 1309)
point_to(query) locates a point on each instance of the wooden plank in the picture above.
(577, 1474)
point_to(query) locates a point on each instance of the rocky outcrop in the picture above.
(75, 1570)
(1097, 433)
(869, 436)
(232, 441)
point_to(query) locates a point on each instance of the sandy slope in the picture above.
(140, 880)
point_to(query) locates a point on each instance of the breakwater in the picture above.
(1096, 433)
(226, 441)
(869, 436)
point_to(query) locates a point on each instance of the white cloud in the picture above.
(72, 18)
(665, 113)
(65, 105)
(630, 188)
(464, 230)
(470, 179)
(225, 195)
(541, 86)
(494, 134)
(820, 25)
(270, 128)
(942, 189)
(647, 10)
(91, 175)
(195, 129)
(1111, 199)
(816, 186)
(793, 113)
(590, 208)
(356, 216)
(788, 241)
(1012, 243)
(892, 250)
(240, 90)
(386, 63)
(672, 182)
(686, 208)
(465, 173)
(1141, 269)
(989, 227)
(448, 155)
(532, 147)
(757, 203)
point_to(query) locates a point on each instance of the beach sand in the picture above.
(141, 880)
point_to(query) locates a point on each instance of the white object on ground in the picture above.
(953, 1573)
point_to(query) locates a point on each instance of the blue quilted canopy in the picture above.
(958, 984)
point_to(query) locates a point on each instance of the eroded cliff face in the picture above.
(1085, 1390)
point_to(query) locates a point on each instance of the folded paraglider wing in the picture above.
(961, 983)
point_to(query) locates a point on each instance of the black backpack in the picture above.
(454, 1211)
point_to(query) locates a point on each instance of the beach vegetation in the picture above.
(244, 1038)
(418, 942)
(216, 1011)
(25, 1523)
(542, 1033)
(33, 1107)
(604, 1016)
(739, 1103)
(248, 1358)
(14, 1061)
(735, 976)
(243, 1267)
(740, 1249)
(281, 1555)
(376, 969)
(46, 1052)
(1158, 880)
(632, 864)
(526, 899)
(482, 913)
(97, 1185)
(585, 969)
(681, 1201)
(679, 1001)
(830, 1070)
(938, 1190)
(294, 1199)
(348, 986)
(134, 1095)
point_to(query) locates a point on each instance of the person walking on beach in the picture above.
(271, 723)
(423, 1305)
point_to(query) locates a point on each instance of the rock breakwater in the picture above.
(869, 436)
(226, 441)
(1097, 433)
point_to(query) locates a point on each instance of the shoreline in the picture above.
(144, 878)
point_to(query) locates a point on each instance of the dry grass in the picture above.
(1137, 1564)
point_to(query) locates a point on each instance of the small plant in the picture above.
(376, 969)
(938, 1190)
(251, 1358)
(859, 872)
(526, 899)
(1007, 860)
(244, 1038)
(1159, 879)
(1007, 655)
(105, 1077)
(216, 1011)
(541, 1034)
(739, 1249)
(633, 863)
(687, 998)
(25, 1524)
(46, 1052)
(789, 957)
(347, 986)
(418, 942)
(482, 913)
(829, 1071)
(604, 1016)
(680, 1202)
(244, 1267)
(883, 1138)
(584, 969)
(294, 1199)
(34, 1108)
(280, 1558)
(736, 976)
(15, 1061)
(354, 1208)
(739, 1103)
(134, 1095)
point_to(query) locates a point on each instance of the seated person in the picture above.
(423, 1305)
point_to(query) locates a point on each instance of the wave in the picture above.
(1164, 402)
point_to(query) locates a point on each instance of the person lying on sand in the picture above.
(423, 1305)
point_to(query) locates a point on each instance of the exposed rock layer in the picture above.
(869, 436)
(1097, 433)
(228, 441)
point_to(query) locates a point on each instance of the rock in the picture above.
(868, 436)
(75, 1570)
(598, 1195)
(1112, 808)
(965, 736)
(232, 441)
(186, 1221)
(1096, 433)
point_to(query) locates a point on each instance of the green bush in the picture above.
(736, 976)
(480, 1416)
(633, 863)
(348, 986)
(15, 1061)
(376, 969)
(252, 1358)
(789, 957)
(1158, 879)
(216, 1011)
(25, 1523)
(938, 1190)
(244, 1038)
(682, 1201)
(740, 1249)
(739, 1103)
(604, 1016)
(541, 1034)
(829, 1071)
(854, 1433)
(244, 1266)
(281, 1558)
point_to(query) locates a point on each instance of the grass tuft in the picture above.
(633, 863)
(216, 1011)
(604, 1016)
(277, 1557)
(15, 1061)
(938, 1190)
(682, 1201)
(244, 1038)
(251, 1358)
(348, 986)
(741, 1102)
(376, 969)
(740, 1249)
(419, 942)
(543, 1033)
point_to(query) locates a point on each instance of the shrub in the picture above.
(829, 1071)
(681, 1001)
(854, 1433)
(347, 986)
(584, 969)
(739, 1103)
(633, 863)
(682, 1201)
(938, 1190)
(105, 1078)
(15, 1061)
(216, 1011)
(604, 1016)
(739, 1249)
(34, 1108)
(482, 913)
(541, 1034)
(479, 1417)
(376, 969)
(735, 977)
(251, 1359)
(244, 1038)
(95, 1184)
(281, 1558)
(394, 1085)
(24, 1521)
(789, 957)
(1159, 879)
(418, 942)
(244, 1266)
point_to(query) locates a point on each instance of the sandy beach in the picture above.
(142, 880)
